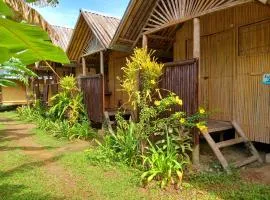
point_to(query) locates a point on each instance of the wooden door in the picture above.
(217, 61)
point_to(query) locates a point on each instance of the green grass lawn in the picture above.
(23, 178)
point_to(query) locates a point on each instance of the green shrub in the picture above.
(68, 103)
(166, 153)
(82, 130)
(122, 146)
(165, 163)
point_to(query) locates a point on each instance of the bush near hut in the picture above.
(66, 118)
(158, 141)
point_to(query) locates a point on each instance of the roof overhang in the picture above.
(164, 15)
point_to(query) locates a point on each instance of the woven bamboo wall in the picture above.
(14, 95)
(117, 60)
(235, 53)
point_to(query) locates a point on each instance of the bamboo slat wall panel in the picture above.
(182, 79)
(93, 93)
(117, 60)
(234, 51)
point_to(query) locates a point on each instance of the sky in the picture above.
(67, 12)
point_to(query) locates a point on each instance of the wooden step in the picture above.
(247, 161)
(249, 144)
(218, 126)
(231, 142)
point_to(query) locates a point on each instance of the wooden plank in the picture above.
(108, 121)
(216, 151)
(217, 126)
(249, 144)
(231, 142)
(246, 161)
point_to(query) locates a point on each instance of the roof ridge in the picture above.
(99, 13)
(62, 26)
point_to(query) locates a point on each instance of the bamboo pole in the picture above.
(196, 54)
(52, 69)
(84, 66)
(144, 41)
(101, 62)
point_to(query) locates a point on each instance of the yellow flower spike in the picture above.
(202, 111)
(182, 120)
(157, 103)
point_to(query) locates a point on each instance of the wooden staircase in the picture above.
(109, 117)
(240, 137)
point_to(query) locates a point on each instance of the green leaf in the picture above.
(5, 10)
(28, 43)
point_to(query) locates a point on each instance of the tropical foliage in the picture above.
(66, 118)
(68, 104)
(14, 69)
(28, 43)
(158, 141)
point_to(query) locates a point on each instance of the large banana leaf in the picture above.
(28, 43)
(5, 10)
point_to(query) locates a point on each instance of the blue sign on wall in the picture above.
(266, 79)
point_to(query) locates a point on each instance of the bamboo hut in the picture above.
(223, 47)
(97, 66)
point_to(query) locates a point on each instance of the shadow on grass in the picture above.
(7, 148)
(21, 192)
(28, 166)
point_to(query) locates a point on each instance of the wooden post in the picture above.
(84, 66)
(103, 79)
(196, 54)
(101, 62)
(144, 41)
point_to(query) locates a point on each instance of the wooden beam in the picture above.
(196, 54)
(101, 62)
(159, 37)
(263, 1)
(84, 66)
(126, 40)
(189, 17)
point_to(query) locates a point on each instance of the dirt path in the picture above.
(22, 140)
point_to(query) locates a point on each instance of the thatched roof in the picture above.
(93, 32)
(63, 36)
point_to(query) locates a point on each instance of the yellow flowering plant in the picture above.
(158, 116)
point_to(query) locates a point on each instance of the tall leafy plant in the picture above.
(28, 43)
(68, 103)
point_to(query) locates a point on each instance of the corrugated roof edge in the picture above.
(100, 13)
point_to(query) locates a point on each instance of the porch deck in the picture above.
(217, 126)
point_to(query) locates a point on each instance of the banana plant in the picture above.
(26, 42)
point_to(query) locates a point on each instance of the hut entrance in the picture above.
(216, 68)
(217, 61)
